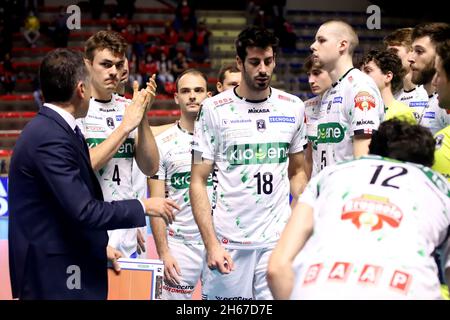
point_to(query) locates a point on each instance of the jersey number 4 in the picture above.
(116, 176)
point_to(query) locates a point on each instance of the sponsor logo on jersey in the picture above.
(337, 100)
(181, 180)
(363, 122)
(312, 273)
(406, 98)
(418, 104)
(370, 211)
(107, 110)
(366, 274)
(258, 153)
(237, 133)
(110, 123)
(227, 122)
(222, 101)
(170, 137)
(94, 128)
(312, 102)
(232, 298)
(126, 150)
(261, 125)
(370, 274)
(119, 117)
(94, 117)
(179, 289)
(430, 115)
(339, 271)
(331, 132)
(255, 110)
(281, 97)
(282, 119)
(364, 101)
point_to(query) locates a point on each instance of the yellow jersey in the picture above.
(442, 153)
(400, 111)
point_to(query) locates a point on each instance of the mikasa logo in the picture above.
(258, 153)
(254, 110)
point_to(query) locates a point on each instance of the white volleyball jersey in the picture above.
(312, 113)
(175, 156)
(432, 116)
(250, 142)
(352, 106)
(416, 99)
(376, 224)
(115, 178)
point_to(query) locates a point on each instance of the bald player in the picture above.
(352, 109)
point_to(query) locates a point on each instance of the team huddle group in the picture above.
(368, 218)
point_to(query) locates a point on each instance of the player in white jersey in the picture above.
(351, 110)
(116, 130)
(400, 42)
(253, 136)
(385, 68)
(425, 38)
(180, 245)
(371, 224)
(319, 81)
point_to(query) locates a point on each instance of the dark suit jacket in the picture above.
(58, 219)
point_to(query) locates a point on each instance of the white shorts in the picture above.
(246, 282)
(190, 259)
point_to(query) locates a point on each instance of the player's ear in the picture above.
(388, 76)
(239, 63)
(175, 97)
(343, 45)
(209, 94)
(219, 86)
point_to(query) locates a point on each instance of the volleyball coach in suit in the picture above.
(58, 219)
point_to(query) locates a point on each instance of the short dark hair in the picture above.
(59, 74)
(193, 71)
(387, 61)
(232, 67)
(403, 141)
(309, 64)
(399, 37)
(437, 31)
(105, 39)
(443, 51)
(255, 37)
